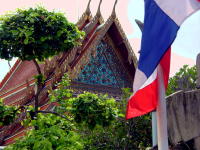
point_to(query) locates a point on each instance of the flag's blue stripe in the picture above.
(158, 34)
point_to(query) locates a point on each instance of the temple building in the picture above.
(103, 63)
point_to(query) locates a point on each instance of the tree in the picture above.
(87, 121)
(184, 79)
(120, 134)
(65, 127)
(36, 34)
(53, 133)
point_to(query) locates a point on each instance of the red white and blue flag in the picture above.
(161, 23)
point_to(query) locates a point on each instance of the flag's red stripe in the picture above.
(165, 64)
(143, 101)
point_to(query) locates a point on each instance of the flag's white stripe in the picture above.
(142, 81)
(178, 10)
(151, 79)
(139, 80)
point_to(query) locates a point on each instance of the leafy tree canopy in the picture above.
(53, 133)
(184, 79)
(87, 121)
(87, 108)
(59, 129)
(36, 33)
(94, 110)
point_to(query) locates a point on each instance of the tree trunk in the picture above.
(38, 87)
(37, 66)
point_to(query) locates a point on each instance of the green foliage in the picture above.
(47, 120)
(7, 113)
(87, 121)
(62, 92)
(53, 133)
(184, 79)
(121, 134)
(39, 79)
(126, 92)
(36, 33)
(87, 108)
(63, 131)
(93, 110)
(105, 138)
(140, 132)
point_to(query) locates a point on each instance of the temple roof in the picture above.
(17, 87)
(95, 29)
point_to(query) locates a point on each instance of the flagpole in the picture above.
(162, 114)
(154, 129)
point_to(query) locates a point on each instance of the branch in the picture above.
(37, 66)
(55, 113)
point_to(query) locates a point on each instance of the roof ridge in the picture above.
(9, 73)
(126, 42)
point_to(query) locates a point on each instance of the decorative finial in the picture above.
(140, 24)
(99, 11)
(88, 7)
(113, 11)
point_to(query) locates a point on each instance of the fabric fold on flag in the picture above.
(161, 23)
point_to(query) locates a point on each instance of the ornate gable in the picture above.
(105, 68)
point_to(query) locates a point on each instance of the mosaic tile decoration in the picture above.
(104, 69)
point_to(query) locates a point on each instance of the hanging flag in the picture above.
(161, 23)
